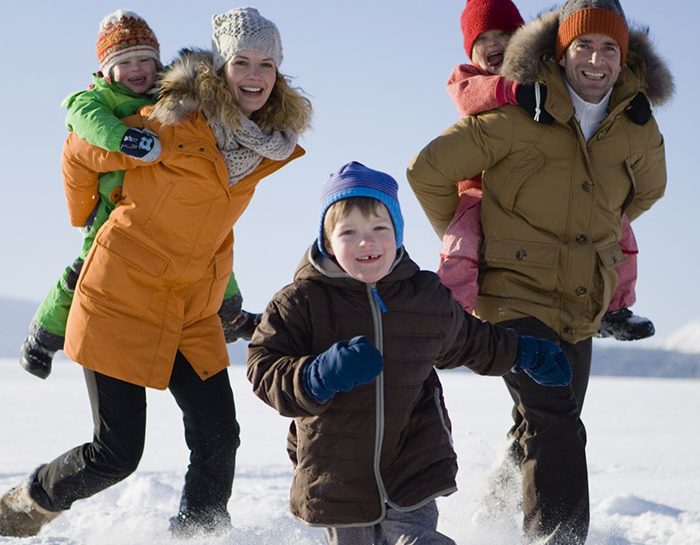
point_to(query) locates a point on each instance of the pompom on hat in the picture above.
(243, 29)
(579, 17)
(356, 180)
(483, 15)
(122, 35)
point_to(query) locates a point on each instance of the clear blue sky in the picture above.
(375, 71)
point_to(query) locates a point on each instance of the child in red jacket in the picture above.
(487, 26)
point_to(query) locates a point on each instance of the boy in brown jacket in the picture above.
(349, 351)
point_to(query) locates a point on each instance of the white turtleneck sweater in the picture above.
(589, 115)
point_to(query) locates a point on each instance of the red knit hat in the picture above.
(484, 15)
(122, 35)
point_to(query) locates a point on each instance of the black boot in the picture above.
(624, 325)
(38, 349)
(187, 526)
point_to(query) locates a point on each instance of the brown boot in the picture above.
(20, 515)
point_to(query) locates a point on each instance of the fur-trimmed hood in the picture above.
(182, 92)
(534, 43)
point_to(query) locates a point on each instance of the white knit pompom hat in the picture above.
(242, 29)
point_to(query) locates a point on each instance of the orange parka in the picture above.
(155, 277)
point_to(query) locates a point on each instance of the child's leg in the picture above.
(624, 295)
(48, 327)
(459, 254)
(619, 321)
(52, 314)
(397, 528)
(419, 526)
(354, 535)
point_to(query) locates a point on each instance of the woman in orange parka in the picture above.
(145, 306)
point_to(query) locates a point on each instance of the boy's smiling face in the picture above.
(364, 246)
(138, 74)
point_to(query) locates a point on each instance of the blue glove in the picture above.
(141, 144)
(343, 366)
(544, 361)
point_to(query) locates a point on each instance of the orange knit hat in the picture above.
(122, 35)
(579, 17)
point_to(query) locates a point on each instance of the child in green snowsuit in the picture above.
(129, 57)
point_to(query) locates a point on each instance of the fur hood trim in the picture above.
(182, 89)
(534, 43)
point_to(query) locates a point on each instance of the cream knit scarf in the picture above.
(244, 148)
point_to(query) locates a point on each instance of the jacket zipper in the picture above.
(378, 307)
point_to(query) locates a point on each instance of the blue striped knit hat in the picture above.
(356, 180)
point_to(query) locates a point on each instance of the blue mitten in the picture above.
(141, 144)
(343, 366)
(544, 361)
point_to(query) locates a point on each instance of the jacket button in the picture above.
(568, 329)
(520, 255)
(180, 146)
(201, 150)
(581, 238)
(581, 291)
(205, 373)
(587, 186)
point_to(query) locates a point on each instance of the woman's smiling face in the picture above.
(251, 76)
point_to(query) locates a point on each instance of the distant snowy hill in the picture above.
(686, 339)
(644, 362)
(677, 356)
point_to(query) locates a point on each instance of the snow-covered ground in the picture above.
(644, 462)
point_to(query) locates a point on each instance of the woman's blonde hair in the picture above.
(285, 109)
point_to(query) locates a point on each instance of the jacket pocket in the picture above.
(518, 263)
(611, 255)
(121, 273)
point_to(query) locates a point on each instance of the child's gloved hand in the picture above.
(141, 144)
(236, 322)
(343, 366)
(531, 98)
(241, 326)
(544, 361)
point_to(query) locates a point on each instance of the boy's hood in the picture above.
(315, 265)
(534, 42)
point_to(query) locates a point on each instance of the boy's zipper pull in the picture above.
(379, 301)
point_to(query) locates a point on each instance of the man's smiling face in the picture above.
(592, 65)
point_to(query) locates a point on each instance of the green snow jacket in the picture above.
(95, 115)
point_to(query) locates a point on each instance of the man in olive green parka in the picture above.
(557, 177)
